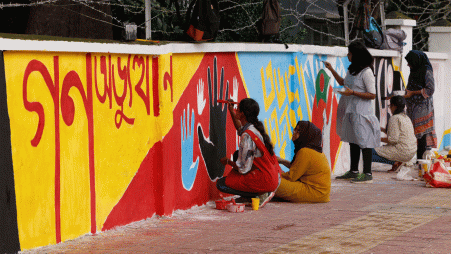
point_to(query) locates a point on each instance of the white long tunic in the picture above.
(402, 143)
(356, 121)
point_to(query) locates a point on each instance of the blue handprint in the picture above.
(189, 168)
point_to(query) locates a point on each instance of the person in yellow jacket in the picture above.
(309, 177)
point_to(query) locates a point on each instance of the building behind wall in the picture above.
(318, 21)
(62, 18)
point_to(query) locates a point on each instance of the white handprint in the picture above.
(200, 97)
(234, 96)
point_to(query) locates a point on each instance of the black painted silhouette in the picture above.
(215, 148)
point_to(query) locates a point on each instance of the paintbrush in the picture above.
(224, 101)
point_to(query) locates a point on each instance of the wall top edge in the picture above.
(8, 44)
(438, 29)
(400, 22)
(437, 55)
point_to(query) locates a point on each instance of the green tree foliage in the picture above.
(238, 20)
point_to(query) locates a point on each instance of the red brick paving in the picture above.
(207, 230)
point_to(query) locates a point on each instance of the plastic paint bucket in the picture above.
(235, 208)
(222, 204)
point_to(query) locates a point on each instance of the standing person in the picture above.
(356, 122)
(420, 106)
(308, 179)
(256, 170)
(401, 142)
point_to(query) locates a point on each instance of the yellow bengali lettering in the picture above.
(268, 99)
(280, 88)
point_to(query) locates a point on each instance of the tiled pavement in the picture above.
(387, 216)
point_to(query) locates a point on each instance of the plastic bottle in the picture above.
(429, 154)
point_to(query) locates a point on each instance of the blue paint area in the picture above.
(446, 141)
(253, 64)
(306, 69)
(189, 168)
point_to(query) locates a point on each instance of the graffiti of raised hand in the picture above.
(200, 97)
(234, 96)
(189, 168)
(215, 147)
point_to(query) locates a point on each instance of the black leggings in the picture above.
(421, 147)
(355, 158)
(221, 185)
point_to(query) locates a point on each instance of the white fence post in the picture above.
(440, 42)
(148, 20)
(346, 21)
(407, 26)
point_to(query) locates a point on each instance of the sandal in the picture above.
(395, 167)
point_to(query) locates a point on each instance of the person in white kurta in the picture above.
(356, 122)
(401, 141)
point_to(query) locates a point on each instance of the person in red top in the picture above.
(255, 172)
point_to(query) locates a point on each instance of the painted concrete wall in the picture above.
(100, 140)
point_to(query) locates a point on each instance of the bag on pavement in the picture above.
(438, 176)
(407, 173)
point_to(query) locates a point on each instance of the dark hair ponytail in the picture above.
(261, 128)
(249, 107)
(399, 102)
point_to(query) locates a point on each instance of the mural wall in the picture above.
(442, 107)
(102, 140)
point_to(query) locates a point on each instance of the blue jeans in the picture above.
(378, 158)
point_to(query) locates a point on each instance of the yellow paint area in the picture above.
(118, 152)
(34, 167)
(281, 90)
(268, 98)
(398, 68)
(185, 65)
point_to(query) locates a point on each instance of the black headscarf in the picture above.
(309, 136)
(361, 58)
(419, 65)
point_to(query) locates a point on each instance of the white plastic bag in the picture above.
(407, 173)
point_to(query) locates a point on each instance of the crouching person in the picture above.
(256, 171)
(309, 177)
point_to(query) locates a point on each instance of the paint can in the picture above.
(235, 208)
(222, 204)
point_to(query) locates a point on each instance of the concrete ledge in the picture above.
(437, 56)
(176, 47)
(438, 29)
(400, 22)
